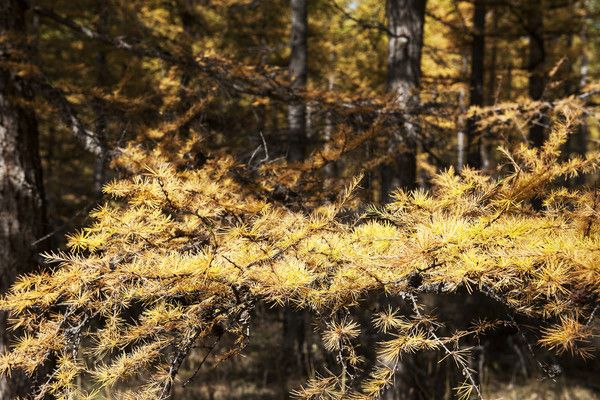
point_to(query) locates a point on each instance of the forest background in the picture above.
(299, 98)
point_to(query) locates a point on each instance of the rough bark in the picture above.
(298, 70)
(405, 24)
(405, 20)
(536, 67)
(21, 189)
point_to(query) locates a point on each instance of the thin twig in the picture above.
(460, 363)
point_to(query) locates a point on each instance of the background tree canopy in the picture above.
(325, 199)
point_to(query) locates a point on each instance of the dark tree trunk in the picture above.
(536, 68)
(493, 93)
(476, 94)
(405, 20)
(298, 74)
(294, 326)
(193, 27)
(330, 170)
(578, 141)
(405, 23)
(21, 189)
(581, 136)
(102, 81)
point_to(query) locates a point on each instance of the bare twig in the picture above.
(459, 362)
(89, 139)
(181, 354)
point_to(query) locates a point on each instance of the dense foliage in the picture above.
(181, 256)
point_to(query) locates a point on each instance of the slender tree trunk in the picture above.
(581, 137)
(492, 94)
(298, 69)
(405, 20)
(294, 326)
(536, 67)
(476, 94)
(21, 189)
(578, 141)
(405, 23)
(509, 80)
(330, 169)
(462, 141)
(102, 80)
(192, 26)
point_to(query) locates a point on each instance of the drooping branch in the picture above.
(218, 69)
(243, 79)
(89, 139)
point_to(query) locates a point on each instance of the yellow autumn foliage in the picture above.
(181, 256)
